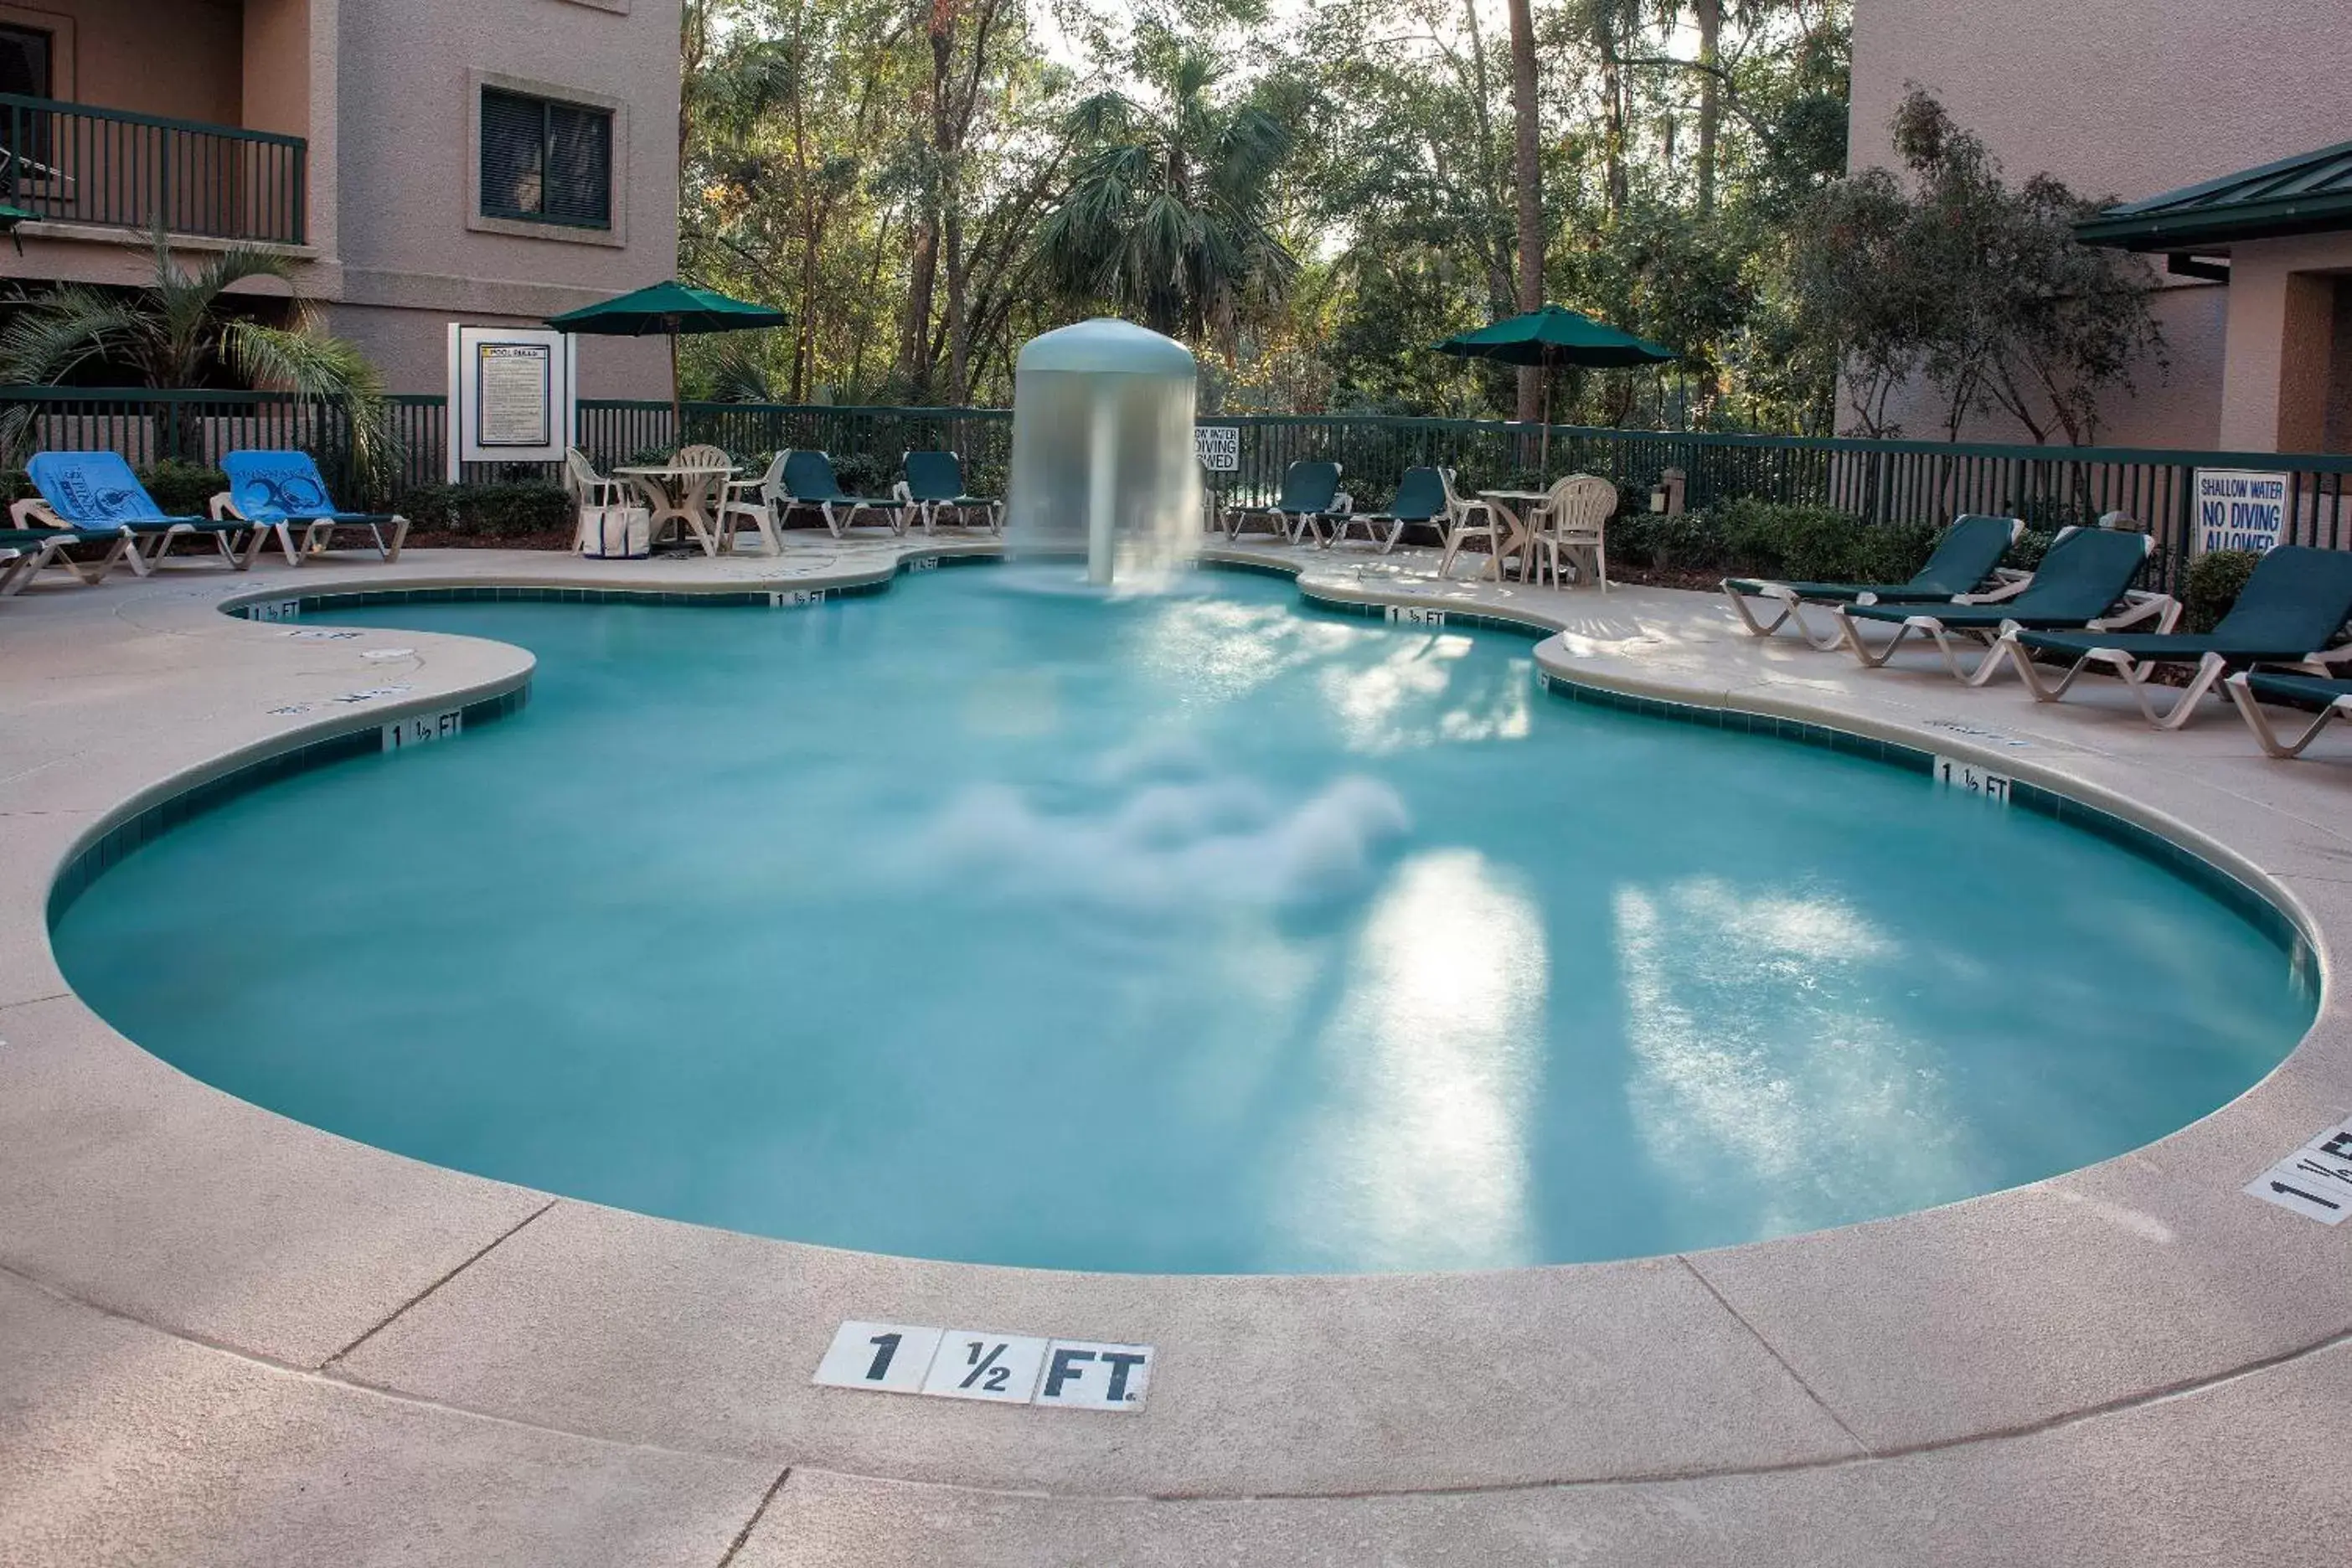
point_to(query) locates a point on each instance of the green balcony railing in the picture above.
(76, 163)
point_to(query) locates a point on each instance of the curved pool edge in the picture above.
(140, 1191)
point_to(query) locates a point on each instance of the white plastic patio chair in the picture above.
(753, 501)
(1467, 517)
(1574, 525)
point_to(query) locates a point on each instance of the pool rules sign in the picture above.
(971, 1363)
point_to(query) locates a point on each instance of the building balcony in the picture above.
(110, 168)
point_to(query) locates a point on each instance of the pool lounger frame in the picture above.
(1792, 606)
(2241, 690)
(2162, 608)
(2138, 676)
(20, 566)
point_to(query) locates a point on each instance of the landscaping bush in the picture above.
(2211, 584)
(864, 474)
(1753, 537)
(1653, 541)
(182, 489)
(489, 511)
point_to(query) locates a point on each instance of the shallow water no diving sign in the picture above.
(970, 1364)
(2316, 1181)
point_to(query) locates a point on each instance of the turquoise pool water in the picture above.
(983, 920)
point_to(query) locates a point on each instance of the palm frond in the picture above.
(317, 369)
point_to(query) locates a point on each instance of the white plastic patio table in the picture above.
(676, 493)
(1522, 538)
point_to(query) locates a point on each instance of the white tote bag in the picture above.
(616, 532)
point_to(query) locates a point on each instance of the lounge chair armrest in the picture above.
(2011, 584)
(2140, 605)
(33, 513)
(1342, 503)
(2325, 661)
(902, 493)
(222, 508)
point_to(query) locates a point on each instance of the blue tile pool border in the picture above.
(109, 848)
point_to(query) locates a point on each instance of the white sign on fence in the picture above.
(513, 393)
(1219, 447)
(2239, 509)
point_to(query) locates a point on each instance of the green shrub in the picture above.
(489, 511)
(863, 474)
(182, 488)
(1813, 543)
(2211, 584)
(1686, 542)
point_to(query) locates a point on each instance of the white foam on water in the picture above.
(1175, 837)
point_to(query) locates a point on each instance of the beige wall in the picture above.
(413, 245)
(411, 347)
(383, 90)
(2283, 367)
(2123, 99)
(274, 57)
(184, 58)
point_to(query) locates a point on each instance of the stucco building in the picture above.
(424, 161)
(2134, 99)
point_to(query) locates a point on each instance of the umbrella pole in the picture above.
(1543, 445)
(677, 420)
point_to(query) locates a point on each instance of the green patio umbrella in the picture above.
(1553, 336)
(669, 308)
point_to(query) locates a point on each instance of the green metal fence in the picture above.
(1888, 481)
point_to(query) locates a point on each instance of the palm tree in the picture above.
(1169, 215)
(176, 331)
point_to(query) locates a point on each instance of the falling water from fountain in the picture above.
(1103, 460)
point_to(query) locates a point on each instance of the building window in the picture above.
(546, 162)
(25, 61)
(24, 130)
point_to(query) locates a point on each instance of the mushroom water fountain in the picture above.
(1103, 456)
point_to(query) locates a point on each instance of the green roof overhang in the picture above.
(2311, 194)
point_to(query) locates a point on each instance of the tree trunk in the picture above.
(1710, 98)
(1528, 175)
(923, 269)
(1613, 101)
(1495, 238)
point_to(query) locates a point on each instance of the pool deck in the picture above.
(227, 1338)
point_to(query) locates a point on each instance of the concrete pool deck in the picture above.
(225, 1337)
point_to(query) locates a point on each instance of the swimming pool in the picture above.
(1208, 933)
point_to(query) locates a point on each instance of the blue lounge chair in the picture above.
(1963, 558)
(95, 494)
(2082, 579)
(809, 481)
(1419, 499)
(281, 491)
(2251, 689)
(2289, 612)
(1310, 493)
(934, 484)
